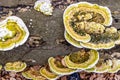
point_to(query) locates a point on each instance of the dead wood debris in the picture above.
(11, 76)
(99, 76)
(116, 12)
(62, 41)
(35, 41)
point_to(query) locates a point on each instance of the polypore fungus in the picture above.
(15, 66)
(115, 67)
(82, 59)
(33, 73)
(85, 26)
(102, 66)
(57, 67)
(47, 73)
(13, 32)
(44, 6)
(83, 18)
(72, 41)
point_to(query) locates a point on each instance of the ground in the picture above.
(49, 28)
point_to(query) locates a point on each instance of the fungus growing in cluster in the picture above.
(109, 66)
(33, 73)
(47, 73)
(82, 59)
(13, 33)
(44, 6)
(101, 67)
(106, 40)
(83, 18)
(115, 67)
(86, 26)
(15, 66)
(57, 66)
(72, 41)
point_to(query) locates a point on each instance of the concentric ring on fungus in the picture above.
(15, 66)
(57, 67)
(86, 26)
(78, 16)
(13, 33)
(82, 59)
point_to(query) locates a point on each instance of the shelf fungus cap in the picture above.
(101, 67)
(98, 46)
(72, 41)
(33, 73)
(82, 59)
(57, 67)
(47, 73)
(105, 40)
(103, 12)
(15, 66)
(44, 6)
(118, 40)
(80, 19)
(13, 33)
(115, 67)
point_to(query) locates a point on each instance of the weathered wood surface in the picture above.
(51, 28)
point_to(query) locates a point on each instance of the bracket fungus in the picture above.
(13, 32)
(83, 15)
(57, 66)
(82, 59)
(115, 67)
(15, 66)
(44, 6)
(72, 41)
(101, 67)
(33, 73)
(47, 73)
(106, 40)
(86, 26)
(109, 66)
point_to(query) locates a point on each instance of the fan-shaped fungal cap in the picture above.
(102, 66)
(118, 40)
(115, 67)
(13, 32)
(82, 19)
(72, 41)
(101, 14)
(47, 73)
(98, 46)
(15, 66)
(33, 74)
(82, 59)
(106, 40)
(57, 67)
(44, 6)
